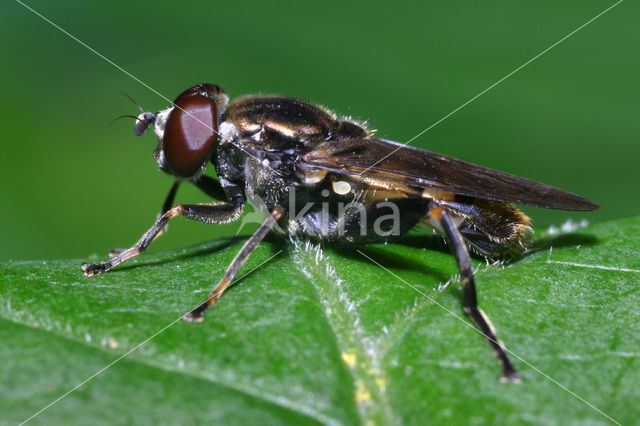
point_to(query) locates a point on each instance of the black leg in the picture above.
(211, 187)
(207, 213)
(469, 297)
(242, 256)
(166, 206)
(206, 184)
(168, 202)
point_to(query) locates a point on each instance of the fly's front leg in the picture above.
(469, 297)
(207, 213)
(211, 187)
(237, 262)
(206, 184)
(166, 206)
(168, 202)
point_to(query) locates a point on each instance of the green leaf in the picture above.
(327, 336)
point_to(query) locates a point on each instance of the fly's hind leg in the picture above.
(469, 297)
(207, 213)
(237, 262)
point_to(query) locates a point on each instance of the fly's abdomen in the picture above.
(491, 228)
(342, 211)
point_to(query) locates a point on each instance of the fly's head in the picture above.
(187, 131)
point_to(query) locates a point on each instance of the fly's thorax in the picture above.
(266, 181)
(262, 174)
(274, 119)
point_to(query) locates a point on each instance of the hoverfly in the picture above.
(289, 153)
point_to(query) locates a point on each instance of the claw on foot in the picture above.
(197, 315)
(91, 269)
(191, 317)
(511, 377)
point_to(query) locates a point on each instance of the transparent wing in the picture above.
(381, 159)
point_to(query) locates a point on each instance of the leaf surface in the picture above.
(327, 336)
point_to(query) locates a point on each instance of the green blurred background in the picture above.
(72, 185)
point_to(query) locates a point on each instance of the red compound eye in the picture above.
(190, 134)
